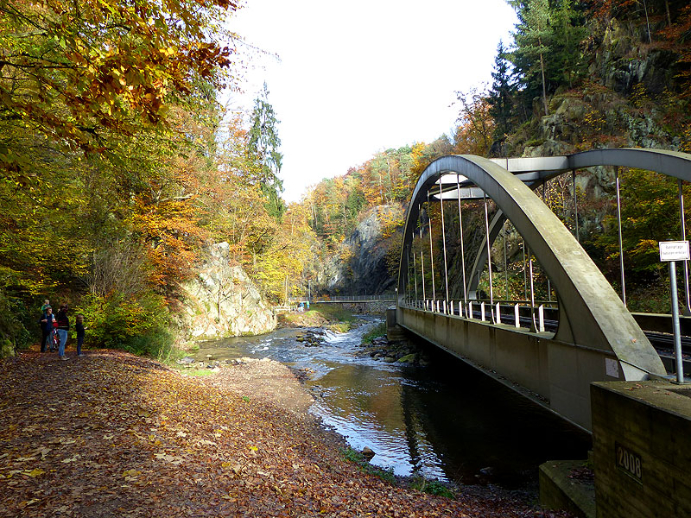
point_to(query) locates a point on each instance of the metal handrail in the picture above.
(345, 298)
(484, 312)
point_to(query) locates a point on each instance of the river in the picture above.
(444, 421)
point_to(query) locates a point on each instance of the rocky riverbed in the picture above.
(399, 351)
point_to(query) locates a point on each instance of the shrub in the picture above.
(140, 326)
(15, 324)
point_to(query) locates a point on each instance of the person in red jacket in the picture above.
(63, 328)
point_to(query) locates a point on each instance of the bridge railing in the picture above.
(388, 297)
(541, 317)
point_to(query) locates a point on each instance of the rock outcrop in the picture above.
(360, 266)
(223, 301)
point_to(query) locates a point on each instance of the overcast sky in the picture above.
(354, 78)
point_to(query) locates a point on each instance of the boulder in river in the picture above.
(367, 453)
(311, 338)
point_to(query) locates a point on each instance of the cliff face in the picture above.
(360, 265)
(627, 103)
(222, 301)
(632, 96)
(623, 60)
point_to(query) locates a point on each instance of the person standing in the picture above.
(46, 322)
(63, 328)
(79, 326)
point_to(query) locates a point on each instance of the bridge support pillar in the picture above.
(394, 332)
(641, 447)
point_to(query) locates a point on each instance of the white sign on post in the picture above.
(674, 251)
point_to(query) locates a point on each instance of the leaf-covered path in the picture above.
(110, 434)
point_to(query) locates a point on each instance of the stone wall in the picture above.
(223, 301)
(641, 449)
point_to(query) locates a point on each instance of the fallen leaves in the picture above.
(169, 458)
(125, 436)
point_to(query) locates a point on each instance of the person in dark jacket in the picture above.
(46, 322)
(63, 328)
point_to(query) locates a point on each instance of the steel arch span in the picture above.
(597, 339)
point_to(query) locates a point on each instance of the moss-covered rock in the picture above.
(408, 358)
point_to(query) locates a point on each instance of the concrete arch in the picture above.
(591, 313)
(535, 171)
(670, 163)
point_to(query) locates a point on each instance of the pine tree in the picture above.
(547, 51)
(533, 41)
(569, 32)
(263, 146)
(500, 93)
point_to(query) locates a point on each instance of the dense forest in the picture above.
(119, 167)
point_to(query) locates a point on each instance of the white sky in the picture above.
(357, 77)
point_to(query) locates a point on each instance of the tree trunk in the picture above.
(669, 17)
(647, 21)
(544, 85)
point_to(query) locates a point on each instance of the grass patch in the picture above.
(339, 320)
(333, 312)
(375, 332)
(419, 483)
(330, 316)
(197, 372)
(432, 487)
(354, 456)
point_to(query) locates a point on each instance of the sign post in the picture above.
(671, 252)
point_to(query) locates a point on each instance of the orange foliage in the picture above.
(171, 231)
(475, 125)
(76, 71)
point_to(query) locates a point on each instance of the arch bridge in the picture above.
(551, 351)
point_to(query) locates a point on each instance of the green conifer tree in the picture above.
(264, 144)
(500, 93)
(534, 38)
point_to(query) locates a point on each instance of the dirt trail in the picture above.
(114, 435)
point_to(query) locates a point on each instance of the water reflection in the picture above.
(482, 430)
(366, 405)
(445, 421)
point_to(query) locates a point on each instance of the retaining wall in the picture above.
(641, 449)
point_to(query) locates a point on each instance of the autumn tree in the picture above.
(88, 98)
(475, 127)
(293, 256)
(107, 120)
(74, 74)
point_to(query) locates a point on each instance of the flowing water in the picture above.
(445, 421)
